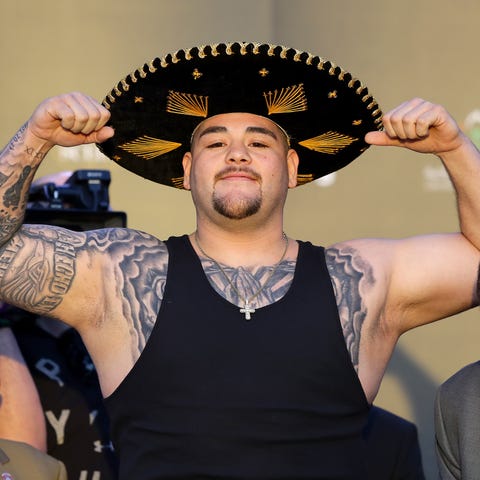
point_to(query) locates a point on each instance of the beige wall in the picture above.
(424, 48)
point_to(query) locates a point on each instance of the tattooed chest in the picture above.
(256, 287)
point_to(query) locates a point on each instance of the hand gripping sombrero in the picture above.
(154, 110)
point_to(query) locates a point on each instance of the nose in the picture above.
(238, 153)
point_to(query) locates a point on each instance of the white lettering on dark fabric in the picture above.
(84, 475)
(58, 424)
(51, 369)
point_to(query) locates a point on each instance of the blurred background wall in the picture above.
(425, 48)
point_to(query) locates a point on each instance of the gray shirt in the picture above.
(457, 425)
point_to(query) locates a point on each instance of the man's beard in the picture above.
(236, 209)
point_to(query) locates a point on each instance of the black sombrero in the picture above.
(325, 111)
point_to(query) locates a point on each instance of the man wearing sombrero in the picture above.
(236, 352)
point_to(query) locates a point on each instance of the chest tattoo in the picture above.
(239, 284)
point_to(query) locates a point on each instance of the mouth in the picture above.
(237, 174)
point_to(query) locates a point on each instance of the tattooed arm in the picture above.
(66, 120)
(107, 283)
(386, 287)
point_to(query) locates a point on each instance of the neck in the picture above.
(245, 249)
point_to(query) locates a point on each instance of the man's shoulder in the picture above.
(465, 380)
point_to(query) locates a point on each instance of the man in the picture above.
(227, 353)
(457, 424)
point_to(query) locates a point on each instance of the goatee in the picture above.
(236, 209)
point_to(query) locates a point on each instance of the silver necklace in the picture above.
(246, 309)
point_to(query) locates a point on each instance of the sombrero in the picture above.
(154, 110)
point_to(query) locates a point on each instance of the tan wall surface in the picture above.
(423, 48)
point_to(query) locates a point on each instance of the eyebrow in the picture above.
(253, 129)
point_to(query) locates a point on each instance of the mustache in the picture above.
(232, 169)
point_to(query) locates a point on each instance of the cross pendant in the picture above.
(247, 311)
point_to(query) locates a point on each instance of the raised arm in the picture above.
(106, 283)
(38, 263)
(431, 277)
(428, 128)
(66, 120)
(385, 287)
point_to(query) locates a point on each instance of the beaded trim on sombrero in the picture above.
(324, 109)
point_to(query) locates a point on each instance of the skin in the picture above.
(109, 284)
(21, 413)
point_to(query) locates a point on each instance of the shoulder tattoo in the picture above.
(351, 276)
(142, 272)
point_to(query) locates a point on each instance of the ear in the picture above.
(292, 166)
(187, 166)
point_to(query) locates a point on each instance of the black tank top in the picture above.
(214, 396)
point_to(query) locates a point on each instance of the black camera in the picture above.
(81, 203)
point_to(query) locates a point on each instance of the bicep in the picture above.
(41, 265)
(414, 281)
(432, 277)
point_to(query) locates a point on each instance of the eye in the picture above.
(260, 143)
(215, 144)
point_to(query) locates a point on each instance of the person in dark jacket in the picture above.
(393, 449)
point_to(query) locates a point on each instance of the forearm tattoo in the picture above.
(15, 139)
(13, 195)
(351, 275)
(15, 181)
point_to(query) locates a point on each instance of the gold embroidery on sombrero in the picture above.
(287, 100)
(303, 178)
(177, 182)
(125, 85)
(329, 142)
(196, 74)
(149, 147)
(187, 104)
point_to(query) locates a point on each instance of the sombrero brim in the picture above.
(325, 111)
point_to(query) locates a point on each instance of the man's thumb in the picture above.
(377, 138)
(103, 134)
